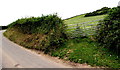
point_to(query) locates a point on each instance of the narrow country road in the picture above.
(13, 56)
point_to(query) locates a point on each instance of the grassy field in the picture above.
(87, 24)
(81, 19)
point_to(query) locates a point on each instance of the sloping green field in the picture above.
(81, 19)
(87, 24)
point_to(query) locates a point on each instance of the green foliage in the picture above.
(101, 11)
(84, 50)
(51, 27)
(108, 32)
(39, 24)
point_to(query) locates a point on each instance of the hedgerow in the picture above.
(108, 32)
(101, 11)
(51, 27)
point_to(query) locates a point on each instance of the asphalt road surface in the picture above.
(13, 56)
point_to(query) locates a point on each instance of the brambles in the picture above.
(108, 32)
(46, 32)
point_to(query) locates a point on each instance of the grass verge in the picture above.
(86, 51)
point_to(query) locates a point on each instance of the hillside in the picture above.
(81, 19)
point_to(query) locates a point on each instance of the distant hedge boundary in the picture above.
(3, 27)
(101, 11)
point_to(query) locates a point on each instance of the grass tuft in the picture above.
(86, 51)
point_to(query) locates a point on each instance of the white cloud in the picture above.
(10, 10)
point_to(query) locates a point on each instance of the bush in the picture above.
(108, 31)
(51, 27)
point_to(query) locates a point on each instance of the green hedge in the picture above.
(51, 26)
(101, 11)
(39, 24)
(108, 32)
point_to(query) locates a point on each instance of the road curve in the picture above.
(13, 56)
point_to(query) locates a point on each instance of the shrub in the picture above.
(108, 31)
(51, 27)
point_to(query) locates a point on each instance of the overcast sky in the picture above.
(11, 10)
